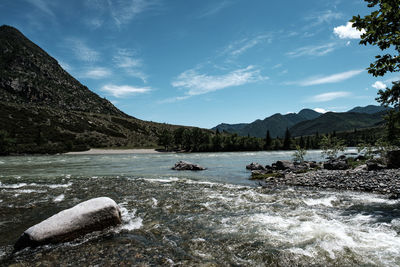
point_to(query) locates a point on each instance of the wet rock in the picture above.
(374, 166)
(336, 164)
(394, 196)
(284, 165)
(187, 166)
(255, 166)
(393, 159)
(92, 215)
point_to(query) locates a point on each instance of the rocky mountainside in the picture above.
(276, 124)
(28, 75)
(43, 109)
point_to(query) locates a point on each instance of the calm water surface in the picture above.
(213, 217)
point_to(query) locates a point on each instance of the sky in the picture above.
(201, 63)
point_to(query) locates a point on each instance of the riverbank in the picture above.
(96, 151)
(382, 182)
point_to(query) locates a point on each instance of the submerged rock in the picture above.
(187, 166)
(92, 215)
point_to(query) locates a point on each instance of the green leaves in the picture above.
(382, 29)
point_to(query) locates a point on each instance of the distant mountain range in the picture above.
(308, 122)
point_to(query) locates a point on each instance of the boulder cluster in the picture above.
(374, 175)
(187, 166)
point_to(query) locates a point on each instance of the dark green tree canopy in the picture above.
(382, 28)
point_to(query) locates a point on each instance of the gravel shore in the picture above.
(383, 181)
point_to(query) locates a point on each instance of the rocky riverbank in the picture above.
(377, 175)
(382, 181)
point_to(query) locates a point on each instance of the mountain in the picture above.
(43, 109)
(331, 121)
(28, 75)
(370, 109)
(276, 124)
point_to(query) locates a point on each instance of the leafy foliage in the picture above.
(382, 30)
(331, 146)
(299, 154)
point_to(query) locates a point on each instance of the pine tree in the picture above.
(287, 141)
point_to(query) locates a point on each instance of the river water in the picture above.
(215, 217)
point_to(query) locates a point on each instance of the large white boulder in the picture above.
(92, 215)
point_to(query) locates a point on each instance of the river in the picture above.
(213, 217)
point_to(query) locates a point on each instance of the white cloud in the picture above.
(239, 47)
(312, 50)
(335, 78)
(325, 97)
(379, 85)
(324, 17)
(42, 5)
(125, 59)
(123, 12)
(277, 66)
(320, 110)
(198, 84)
(97, 73)
(124, 90)
(82, 51)
(348, 32)
(212, 10)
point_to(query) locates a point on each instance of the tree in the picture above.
(268, 141)
(165, 139)
(331, 146)
(178, 136)
(287, 141)
(298, 155)
(381, 28)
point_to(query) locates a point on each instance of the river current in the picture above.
(215, 217)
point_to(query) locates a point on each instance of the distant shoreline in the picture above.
(96, 151)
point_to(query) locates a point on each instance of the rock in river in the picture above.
(92, 215)
(184, 165)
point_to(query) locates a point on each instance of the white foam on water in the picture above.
(12, 186)
(129, 219)
(53, 186)
(27, 191)
(326, 201)
(155, 202)
(319, 235)
(161, 180)
(59, 198)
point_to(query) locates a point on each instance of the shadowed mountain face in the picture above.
(28, 75)
(43, 109)
(370, 109)
(308, 122)
(331, 121)
(275, 124)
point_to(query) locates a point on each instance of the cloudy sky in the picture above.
(201, 63)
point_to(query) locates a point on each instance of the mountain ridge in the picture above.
(276, 124)
(301, 123)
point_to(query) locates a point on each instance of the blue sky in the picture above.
(201, 63)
